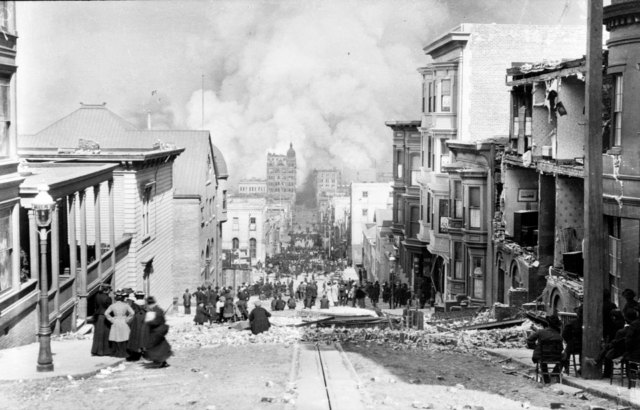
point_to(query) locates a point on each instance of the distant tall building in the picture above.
(327, 182)
(282, 175)
(252, 187)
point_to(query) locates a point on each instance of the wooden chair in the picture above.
(618, 368)
(576, 343)
(551, 355)
(633, 368)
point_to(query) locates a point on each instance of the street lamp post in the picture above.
(392, 277)
(43, 205)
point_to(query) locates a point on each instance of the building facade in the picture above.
(365, 199)
(252, 187)
(282, 175)
(244, 233)
(465, 101)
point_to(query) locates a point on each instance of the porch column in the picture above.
(34, 252)
(112, 227)
(15, 235)
(98, 236)
(82, 283)
(73, 257)
(55, 266)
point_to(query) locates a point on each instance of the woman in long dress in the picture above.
(136, 337)
(119, 314)
(101, 327)
(158, 349)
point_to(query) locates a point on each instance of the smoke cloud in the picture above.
(324, 75)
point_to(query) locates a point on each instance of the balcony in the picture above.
(455, 224)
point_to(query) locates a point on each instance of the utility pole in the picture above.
(593, 217)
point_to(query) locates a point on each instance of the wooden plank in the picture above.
(593, 218)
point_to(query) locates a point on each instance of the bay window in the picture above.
(475, 214)
(617, 111)
(457, 260)
(457, 200)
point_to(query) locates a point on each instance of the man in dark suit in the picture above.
(550, 333)
(199, 296)
(607, 321)
(259, 319)
(186, 302)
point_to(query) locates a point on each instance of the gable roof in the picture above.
(96, 122)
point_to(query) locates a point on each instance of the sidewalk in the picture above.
(600, 388)
(70, 358)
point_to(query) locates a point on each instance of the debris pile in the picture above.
(431, 338)
(71, 336)
(189, 336)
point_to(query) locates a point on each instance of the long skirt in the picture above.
(160, 352)
(119, 349)
(101, 329)
(187, 310)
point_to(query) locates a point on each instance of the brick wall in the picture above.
(491, 50)
(186, 250)
(21, 330)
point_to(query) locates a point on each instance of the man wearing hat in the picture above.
(550, 333)
(629, 295)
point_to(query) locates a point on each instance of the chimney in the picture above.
(149, 120)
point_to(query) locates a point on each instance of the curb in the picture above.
(573, 382)
(75, 376)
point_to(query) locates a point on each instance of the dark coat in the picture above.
(259, 319)
(280, 304)
(101, 327)
(632, 340)
(324, 303)
(186, 299)
(547, 334)
(360, 293)
(607, 322)
(201, 315)
(137, 334)
(291, 303)
(572, 331)
(158, 349)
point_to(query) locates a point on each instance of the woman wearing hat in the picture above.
(101, 327)
(136, 337)
(119, 314)
(158, 349)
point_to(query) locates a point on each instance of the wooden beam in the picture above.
(593, 217)
(73, 256)
(82, 283)
(112, 227)
(97, 233)
(55, 265)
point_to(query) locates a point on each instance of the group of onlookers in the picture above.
(620, 335)
(217, 304)
(131, 327)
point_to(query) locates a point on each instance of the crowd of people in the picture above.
(132, 327)
(620, 337)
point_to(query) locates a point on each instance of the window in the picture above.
(6, 247)
(445, 95)
(236, 224)
(522, 100)
(475, 214)
(399, 163)
(432, 96)
(415, 169)
(253, 248)
(399, 211)
(427, 217)
(444, 154)
(457, 260)
(615, 258)
(146, 224)
(252, 223)
(415, 222)
(5, 117)
(444, 216)
(457, 200)
(617, 112)
(477, 280)
(365, 194)
(224, 200)
(235, 243)
(365, 212)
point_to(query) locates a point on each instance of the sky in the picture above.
(323, 75)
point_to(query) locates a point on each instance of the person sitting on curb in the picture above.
(291, 303)
(324, 302)
(280, 303)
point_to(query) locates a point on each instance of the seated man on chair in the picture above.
(551, 333)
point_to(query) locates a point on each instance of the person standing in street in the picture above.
(375, 294)
(137, 333)
(360, 295)
(158, 349)
(119, 314)
(102, 326)
(186, 302)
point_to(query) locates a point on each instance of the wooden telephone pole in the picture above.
(593, 216)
